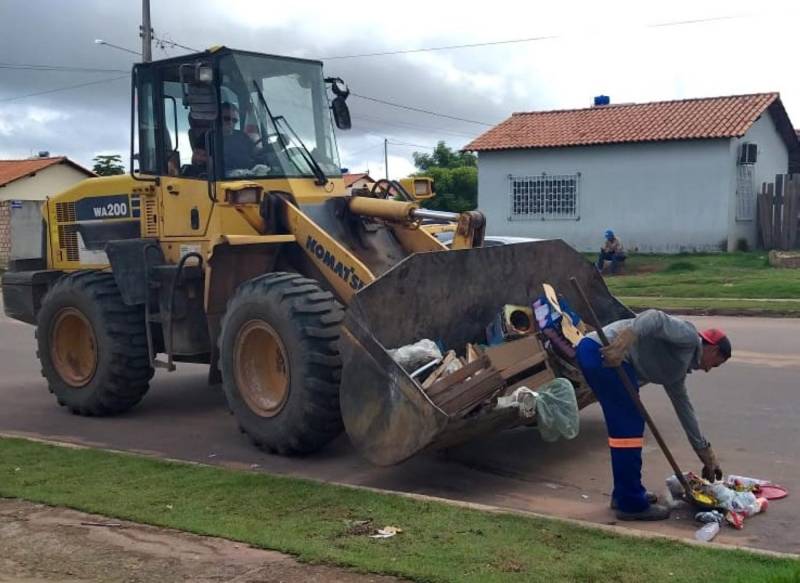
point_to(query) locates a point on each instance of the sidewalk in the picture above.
(42, 544)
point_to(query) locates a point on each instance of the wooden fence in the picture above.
(778, 210)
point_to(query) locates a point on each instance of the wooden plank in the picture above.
(472, 352)
(480, 388)
(509, 353)
(765, 216)
(777, 207)
(771, 212)
(533, 382)
(523, 365)
(794, 207)
(439, 370)
(458, 376)
(760, 215)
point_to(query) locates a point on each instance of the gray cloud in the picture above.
(85, 121)
(482, 84)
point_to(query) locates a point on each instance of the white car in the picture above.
(489, 240)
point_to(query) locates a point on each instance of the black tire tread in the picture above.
(129, 371)
(317, 316)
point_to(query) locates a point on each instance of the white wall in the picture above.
(658, 197)
(773, 158)
(26, 230)
(46, 182)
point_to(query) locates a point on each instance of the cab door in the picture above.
(185, 200)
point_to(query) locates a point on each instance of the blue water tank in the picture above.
(601, 100)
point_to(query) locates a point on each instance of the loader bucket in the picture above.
(446, 296)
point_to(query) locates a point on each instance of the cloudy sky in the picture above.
(632, 51)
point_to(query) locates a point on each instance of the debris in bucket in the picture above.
(413, 356)
(450, 364)
(508, 368)
(386, 532)
(512, 322)
(524, 399)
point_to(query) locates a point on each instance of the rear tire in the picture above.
(92, 347)
(280, 362)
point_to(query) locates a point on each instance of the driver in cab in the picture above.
(238, 148)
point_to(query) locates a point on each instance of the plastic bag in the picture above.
(557, 410)
(413, 356)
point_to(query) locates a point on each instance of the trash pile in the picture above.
(508, 367)
(726, 502)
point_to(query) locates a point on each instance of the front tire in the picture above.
(280, 362)
(92, 347)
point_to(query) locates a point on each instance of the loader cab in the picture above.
(232, 115)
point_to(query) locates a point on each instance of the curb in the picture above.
(607, 528)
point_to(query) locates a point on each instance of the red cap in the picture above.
(717, 337)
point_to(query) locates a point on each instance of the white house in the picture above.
(667, 176)
(24, 185)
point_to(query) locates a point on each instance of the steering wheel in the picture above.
(388, 189)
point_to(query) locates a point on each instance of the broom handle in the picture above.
(634, 395)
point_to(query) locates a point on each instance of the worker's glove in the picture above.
(711, 470)
(617, 350)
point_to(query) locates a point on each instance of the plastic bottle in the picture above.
(707, 532)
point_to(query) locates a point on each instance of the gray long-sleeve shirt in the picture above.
(665, 351)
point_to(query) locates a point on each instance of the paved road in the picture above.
(749, 409)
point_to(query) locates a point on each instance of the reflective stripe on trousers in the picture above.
(624, 424)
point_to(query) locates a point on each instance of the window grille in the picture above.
(544, 197)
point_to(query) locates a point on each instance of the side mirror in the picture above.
(341, 113)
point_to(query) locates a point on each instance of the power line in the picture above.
(442, 48)
(418, 110)
(694, 21)
(517, 40)
(67, 88)
(412, 145)
(31, 67)
(173, 44)
(429, 129)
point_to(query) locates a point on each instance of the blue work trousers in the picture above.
(624, 424)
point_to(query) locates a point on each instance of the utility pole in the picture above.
(386, 156)
(146, 32)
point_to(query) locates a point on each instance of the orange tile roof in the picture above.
(350, 179)
(11, 170)
(687, 119)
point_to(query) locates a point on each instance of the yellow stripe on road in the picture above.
(766, 359)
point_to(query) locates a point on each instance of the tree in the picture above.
(444, 157)
(455, 178)
(108, 165)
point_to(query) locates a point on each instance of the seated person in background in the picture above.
(611, 251)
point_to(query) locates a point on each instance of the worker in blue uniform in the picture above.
(653, 347)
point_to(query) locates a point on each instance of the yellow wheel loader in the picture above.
(233, 242)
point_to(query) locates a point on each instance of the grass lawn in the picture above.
(707, 281)
(314, 522)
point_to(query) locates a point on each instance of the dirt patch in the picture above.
(42, 544)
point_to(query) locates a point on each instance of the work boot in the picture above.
(654, 512)
(652, 498)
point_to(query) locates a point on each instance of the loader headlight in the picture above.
(250, 195)
(204, 74)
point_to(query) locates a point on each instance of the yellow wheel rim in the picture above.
(73, 347)
(261, 368)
